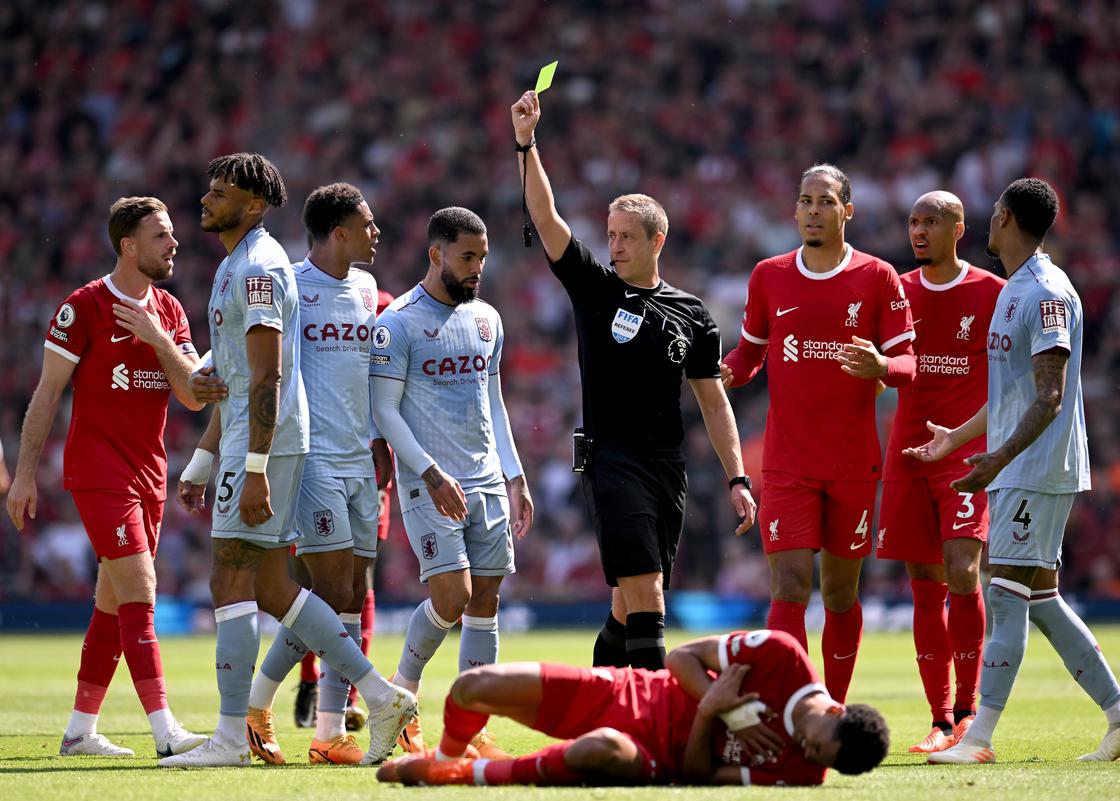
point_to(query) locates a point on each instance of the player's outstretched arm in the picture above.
(23, 496)
(946, 440)
(1050, 385)
(262, 349)
(554, 232)
(724, 434)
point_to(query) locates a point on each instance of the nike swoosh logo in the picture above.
(630, 294)
(120, 339)
(915, 322)
(780, 312)
(146, 642)
(164, 752)
(66, 743)
(960, 525)
(849, 656)
(855, 546)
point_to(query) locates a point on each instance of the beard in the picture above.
(992, 252)
(216, 224)
(157, 270)
(456, 290)
(925, 261)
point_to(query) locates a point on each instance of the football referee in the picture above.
(637, 336)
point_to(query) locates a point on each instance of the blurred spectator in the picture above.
(715, 108)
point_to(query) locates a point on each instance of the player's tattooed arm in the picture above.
(447, 496)
(1050, 383)
(433, 477)
(262, 347)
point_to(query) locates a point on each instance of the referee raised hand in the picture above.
(638, 338)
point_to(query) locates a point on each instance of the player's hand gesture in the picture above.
(192, 497)
(985, 468)
(725, 694)
(521, 507)
(446, 493)
(23, 497)
(526, 113)
(207, 386)
(862, 359)
(745, 508)
(139, 322)
(725, 375)
(255, 504)
(937, 448)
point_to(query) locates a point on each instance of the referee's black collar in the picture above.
(633, 290)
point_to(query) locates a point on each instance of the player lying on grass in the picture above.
(741, 708)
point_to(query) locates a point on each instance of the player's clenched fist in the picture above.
(526, 113)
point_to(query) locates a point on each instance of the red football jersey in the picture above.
(120, 391)
(951, 323)
(782, 675)
(821, 422)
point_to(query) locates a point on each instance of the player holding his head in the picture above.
(831, 322)
(254, 326)
(437, 398)
(766, 719)
(126, 347)
(1037, 460)
(937, 531)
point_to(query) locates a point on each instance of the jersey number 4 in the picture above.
(1023, 516)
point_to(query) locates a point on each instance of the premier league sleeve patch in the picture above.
(258, 292)
(66, 316)
(1053, 313)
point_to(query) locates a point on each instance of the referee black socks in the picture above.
(610, 646)
(645, 640)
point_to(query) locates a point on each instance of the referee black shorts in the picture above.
(636, 499)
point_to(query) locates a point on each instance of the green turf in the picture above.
(1048, 723)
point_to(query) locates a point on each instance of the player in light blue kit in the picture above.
(1037, 461)
(437, 399)
(254, 325)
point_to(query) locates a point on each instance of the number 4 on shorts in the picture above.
(1023, 516)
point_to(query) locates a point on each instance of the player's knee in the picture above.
(475, 686)
(451, 603)
(603, 750)
(839, 598)
(962, 573)
(337, 595)
(791, 584)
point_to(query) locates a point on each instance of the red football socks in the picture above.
(141, 651)
(368, 617)
(931, 643)
(840, 646)
(545, 767)
(459, 726)
(101, 650)
(308, 668)
(966, 639)
(788, 616)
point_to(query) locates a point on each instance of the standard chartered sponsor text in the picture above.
(942, 364)
(149, 379)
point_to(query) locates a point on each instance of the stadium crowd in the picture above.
(715, 108)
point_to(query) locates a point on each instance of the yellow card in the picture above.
(544, 80)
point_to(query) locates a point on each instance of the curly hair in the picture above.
(253, 173)
(446, 224)
(864, 739)
(836, 174)
(1034, 204)
(328, 207)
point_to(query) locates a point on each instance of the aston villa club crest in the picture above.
(428, 545)
(324, 522)
(1011, 307)
(484, 329)
(225, 285)
(367, 298)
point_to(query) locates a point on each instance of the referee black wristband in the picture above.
(525, 148)
(744, 480)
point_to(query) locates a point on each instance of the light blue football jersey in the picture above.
(1037, 310)
(255, 285)
(445, 356)
(337, 320)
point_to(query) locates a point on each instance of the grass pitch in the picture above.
(1048, 723)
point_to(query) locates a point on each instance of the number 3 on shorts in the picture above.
(967, 509)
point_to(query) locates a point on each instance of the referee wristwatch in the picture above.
(744, 480)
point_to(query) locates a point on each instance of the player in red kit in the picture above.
(830, 322)
(924, 522)
(126, 346)
(766, 719)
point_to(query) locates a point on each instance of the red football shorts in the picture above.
(384, 497)
(920, 514)
(575, 701)
(798, 512)
(119, 523)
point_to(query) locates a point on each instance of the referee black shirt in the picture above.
(634, 346)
